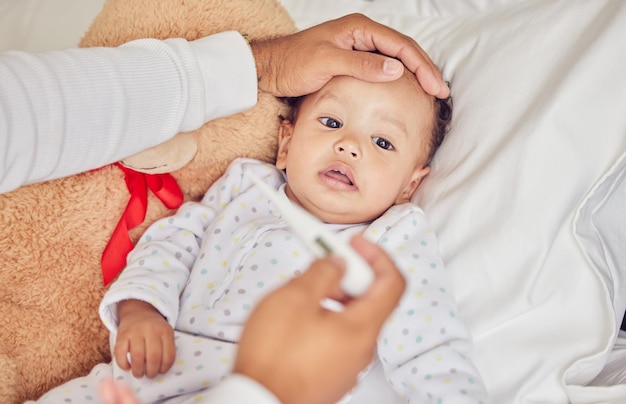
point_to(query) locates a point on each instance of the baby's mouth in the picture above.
(339, 176)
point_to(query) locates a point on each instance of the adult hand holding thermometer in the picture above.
(322, 242)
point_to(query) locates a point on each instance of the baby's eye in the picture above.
(331, 123)
(383, 143)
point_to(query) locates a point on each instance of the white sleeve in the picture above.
(236, 389)
(69, 111)
(159, 266)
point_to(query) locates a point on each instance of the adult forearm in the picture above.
(64, 112)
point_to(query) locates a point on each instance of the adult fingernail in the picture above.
(391, 67)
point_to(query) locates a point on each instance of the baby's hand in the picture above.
(147, 336)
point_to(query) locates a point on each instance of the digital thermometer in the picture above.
(358, 276)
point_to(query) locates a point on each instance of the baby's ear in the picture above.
(414, 181)
(284, 137)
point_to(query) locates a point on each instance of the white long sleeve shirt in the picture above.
(65, 112)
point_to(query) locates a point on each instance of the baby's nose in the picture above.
(347, 147)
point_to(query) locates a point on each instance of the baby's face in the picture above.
(357, 148)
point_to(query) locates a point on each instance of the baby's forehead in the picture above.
(403, 97)
(409, 76)
(338, 84)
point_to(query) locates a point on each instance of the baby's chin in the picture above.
(345, 217)
(334, 209)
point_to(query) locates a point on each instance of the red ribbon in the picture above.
(164, 186)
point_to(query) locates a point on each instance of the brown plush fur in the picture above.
(52, 234)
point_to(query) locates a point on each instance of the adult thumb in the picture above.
(375, 67)
(323, 277)
(371, 67)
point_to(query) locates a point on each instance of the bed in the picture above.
(528, 191)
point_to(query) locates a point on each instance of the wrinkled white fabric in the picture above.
(68, 111)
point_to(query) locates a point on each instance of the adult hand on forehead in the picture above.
(303, 62)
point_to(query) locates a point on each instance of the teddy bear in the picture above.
(53, 234)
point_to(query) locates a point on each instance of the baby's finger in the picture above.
(138, 357)
(169, 353)
(120, 354)
(154, 350)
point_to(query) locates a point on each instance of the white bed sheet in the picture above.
(600, 229)
(540, 93)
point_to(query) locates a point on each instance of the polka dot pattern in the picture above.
(227, 252)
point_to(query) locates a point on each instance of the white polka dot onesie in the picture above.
(205, 268)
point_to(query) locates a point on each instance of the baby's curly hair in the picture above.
(441, 126)
(441, 120)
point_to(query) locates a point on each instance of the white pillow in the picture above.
(539, 115)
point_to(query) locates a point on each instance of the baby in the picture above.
(352, 154)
